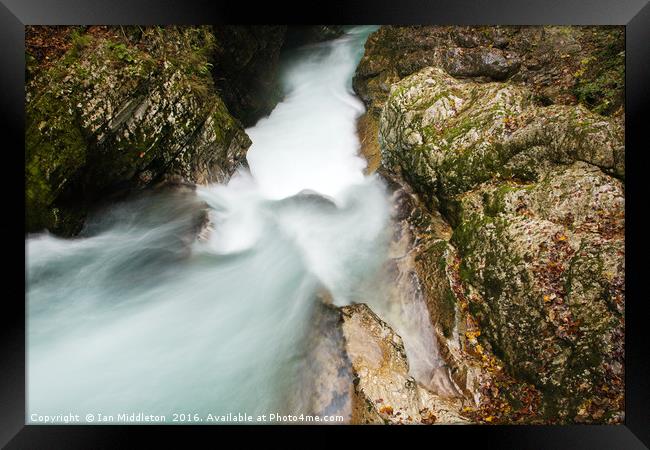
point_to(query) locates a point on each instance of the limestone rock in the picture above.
(445, 136)
(546, 261)
(119, 111)
(384, 392)
(561, 65)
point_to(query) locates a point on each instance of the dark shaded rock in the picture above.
(308, 34)
(245, 69)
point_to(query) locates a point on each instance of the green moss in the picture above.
(223, 122)
(466, 232)
(600, 80)
(448, 312)
(476, 310)
(54, 150)
(79, 41)
(466, 275)
(463, 170)
(494, 202)
(460, 128)
(121, 51)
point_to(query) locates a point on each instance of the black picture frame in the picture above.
(15, 14)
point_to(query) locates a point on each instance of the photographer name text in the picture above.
(141, 417)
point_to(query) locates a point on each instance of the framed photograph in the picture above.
(423, 214)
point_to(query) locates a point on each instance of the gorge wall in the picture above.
(507, 145)
(111, 110)
(503, 148)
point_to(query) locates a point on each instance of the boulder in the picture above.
(560, 64)
(384, 392)
(446, 136)
(124, 109)
(545, 263)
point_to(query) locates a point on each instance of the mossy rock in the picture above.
(561, 65)
(121, 109)
(446, 136)
(431, 265)
(547, 259)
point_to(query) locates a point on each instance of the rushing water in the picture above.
(138, 315)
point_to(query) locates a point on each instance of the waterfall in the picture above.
(138, 315)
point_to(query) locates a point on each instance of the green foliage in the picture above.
(600, 80)
(79, 41)
(205, 68)
(122, 52)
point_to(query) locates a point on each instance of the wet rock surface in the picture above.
(384, 392)
(325, 388)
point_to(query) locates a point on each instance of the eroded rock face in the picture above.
(543, 264)
(116, 112)
(491, 127)
(445, 136)
(541, 270)
(325, 386)
(384, 392)
(561, 65)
